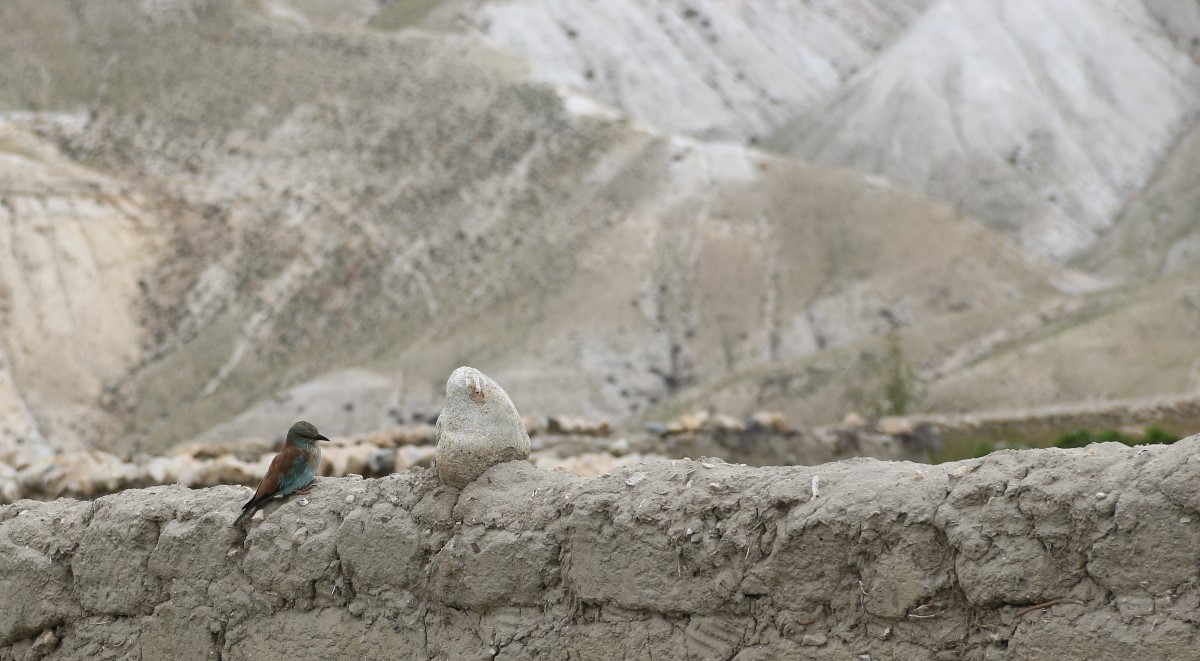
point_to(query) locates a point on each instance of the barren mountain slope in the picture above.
(1124, 344)
(1040, 118)
(707, 68)
(1158, 232)
(352, 216)
(76, 244)
(1046, 120)
(1135, 342)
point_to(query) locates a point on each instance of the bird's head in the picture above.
(305, 433)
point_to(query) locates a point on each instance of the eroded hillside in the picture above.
(305, 212)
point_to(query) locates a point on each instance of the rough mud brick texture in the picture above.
(1064, 554)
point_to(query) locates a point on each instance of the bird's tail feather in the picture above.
(247, 511)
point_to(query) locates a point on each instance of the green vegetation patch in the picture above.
(1078, 438)
(404, 14)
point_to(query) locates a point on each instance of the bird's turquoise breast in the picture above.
(301, 472)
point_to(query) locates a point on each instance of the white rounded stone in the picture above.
(478, 428)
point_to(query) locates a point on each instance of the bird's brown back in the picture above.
(269, 485)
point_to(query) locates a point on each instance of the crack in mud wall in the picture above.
(1065, 554)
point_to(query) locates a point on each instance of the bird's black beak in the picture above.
(321, 438)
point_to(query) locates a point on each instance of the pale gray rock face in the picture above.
(76, 243)
(478, 429)
(706, 68)
(1039, 118)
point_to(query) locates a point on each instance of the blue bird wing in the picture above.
(300, 472)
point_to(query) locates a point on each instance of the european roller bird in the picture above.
(291, 470)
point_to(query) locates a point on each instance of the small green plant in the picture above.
(898, 391)
(403, 14)
(1156, 435)
(982, 449)
(1075, 439)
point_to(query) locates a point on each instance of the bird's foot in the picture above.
(303, 490)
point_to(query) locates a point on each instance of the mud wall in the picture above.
(1065, 554)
